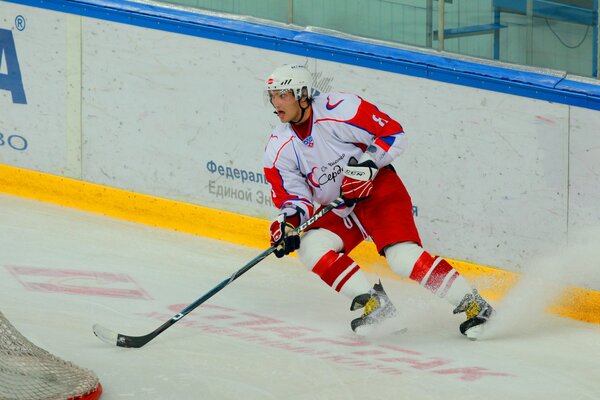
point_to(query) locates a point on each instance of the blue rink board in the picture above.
(320, 46)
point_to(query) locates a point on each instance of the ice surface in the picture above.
(276, 333)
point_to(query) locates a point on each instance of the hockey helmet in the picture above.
(296, 78)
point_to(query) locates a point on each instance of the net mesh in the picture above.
(29, 372)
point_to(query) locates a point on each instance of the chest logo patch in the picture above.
(330, 106)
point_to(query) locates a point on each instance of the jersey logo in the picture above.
(330, 106)
(311, 178)
(309, 141)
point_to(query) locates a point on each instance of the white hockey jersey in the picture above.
(304, 173)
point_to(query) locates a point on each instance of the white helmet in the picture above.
(296, 78)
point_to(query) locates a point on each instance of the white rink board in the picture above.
(161, 112)
(38, 128)
(585, 169)
(171, 105)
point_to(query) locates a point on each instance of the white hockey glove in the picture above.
(358, 180)
(283, 236)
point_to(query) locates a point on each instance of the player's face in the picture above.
(285, 104)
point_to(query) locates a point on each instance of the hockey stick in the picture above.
(121, 340)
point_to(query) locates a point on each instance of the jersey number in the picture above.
(380, 120)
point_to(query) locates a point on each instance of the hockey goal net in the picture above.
(29, 372)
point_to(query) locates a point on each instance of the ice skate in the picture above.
(478, 312)
(377, 309)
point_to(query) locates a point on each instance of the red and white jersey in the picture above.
(306, 172)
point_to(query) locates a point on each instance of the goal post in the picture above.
(28, 372)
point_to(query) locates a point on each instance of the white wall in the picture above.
(42, 122)
(159, 113)
(584, 168)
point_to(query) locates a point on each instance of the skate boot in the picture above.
(378, 307)
(478, 312)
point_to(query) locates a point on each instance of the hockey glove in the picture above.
(283, 237)
(358, 180)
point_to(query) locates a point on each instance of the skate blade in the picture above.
(388, 327)
(476, 332)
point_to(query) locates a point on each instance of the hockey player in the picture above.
(338, 143)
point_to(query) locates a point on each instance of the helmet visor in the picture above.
(269, 95)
